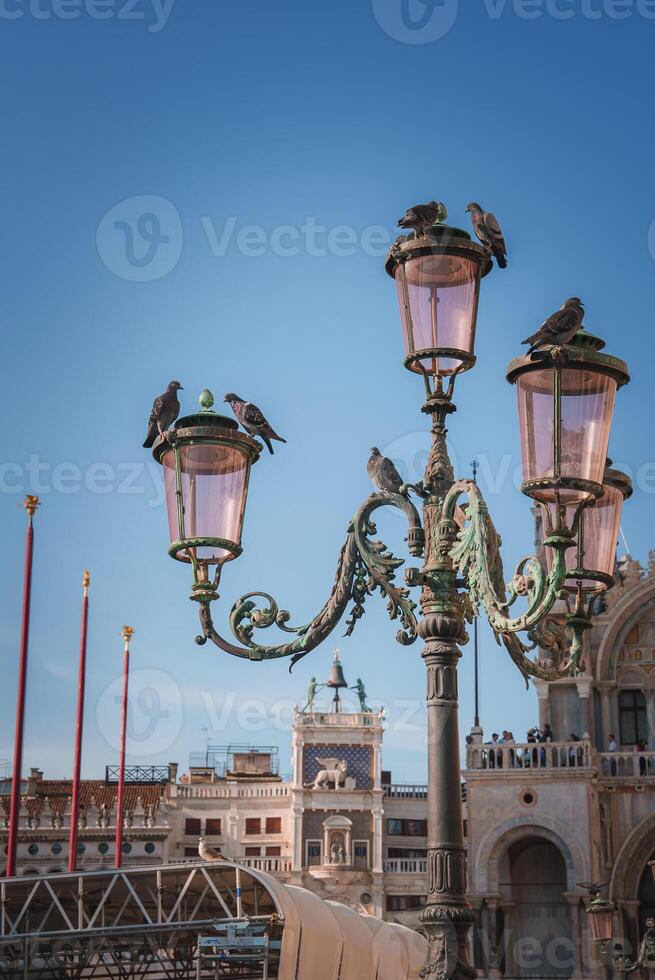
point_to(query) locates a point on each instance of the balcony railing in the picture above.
(273, 865)
(150, 775)
(340, 719)
(530, 755)
(406, 791)
(406, 866)
(222, 791)
(626, 765)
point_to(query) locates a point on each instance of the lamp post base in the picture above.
(447, 929)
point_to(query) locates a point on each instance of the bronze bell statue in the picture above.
(336, 680)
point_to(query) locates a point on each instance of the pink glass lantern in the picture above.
(566, 401)
(600, 921)
(438, 281)
(206, 465)
(591, 563)
(212, 481)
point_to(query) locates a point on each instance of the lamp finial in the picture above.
(206, 400)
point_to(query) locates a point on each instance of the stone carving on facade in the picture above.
(334, 772)
(337, 850)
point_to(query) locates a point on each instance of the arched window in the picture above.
(632, 717)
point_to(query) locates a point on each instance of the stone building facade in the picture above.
(543, 818)
(45, 815)
(339, 826)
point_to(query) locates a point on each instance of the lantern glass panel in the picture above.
(587, 405)
(600, 921)
(438, 306)
(213, 483)
(601, 534)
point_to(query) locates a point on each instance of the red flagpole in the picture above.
(31, 503)
(79, 727)
(128, 633)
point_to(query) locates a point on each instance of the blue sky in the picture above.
(230, 122)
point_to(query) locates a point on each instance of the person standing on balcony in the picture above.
(575, 754)
(611, 744)
(493, 754)
(641, 747)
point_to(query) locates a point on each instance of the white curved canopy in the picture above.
(324, 940)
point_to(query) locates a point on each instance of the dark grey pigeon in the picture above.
(383, 472)
(165, 409)
(488, 231)
(560, 328)
(421, 216)
(253, 420)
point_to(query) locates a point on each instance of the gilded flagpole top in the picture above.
(31, 503)
(128, 633)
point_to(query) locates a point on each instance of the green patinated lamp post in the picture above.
(566, 401)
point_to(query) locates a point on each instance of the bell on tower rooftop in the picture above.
(336, 680)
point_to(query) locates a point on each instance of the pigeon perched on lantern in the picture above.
(383, 472)
(560, 328)
(487, 229)
(253, 420)
(165, 409)
(421, 216)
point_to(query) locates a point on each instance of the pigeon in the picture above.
(252, 419)
(208, 853)
(593, 887)
(421, 216)
(383, 472)
(165, 409)
(487, 229)
(560, 328)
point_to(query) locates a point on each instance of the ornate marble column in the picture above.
(649, 694)
(606, 690)
(586, 720)
(579, 971)
(542, 694)
(490, 939)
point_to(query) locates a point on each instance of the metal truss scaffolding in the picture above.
(139, 923)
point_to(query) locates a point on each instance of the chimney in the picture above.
(172, 772)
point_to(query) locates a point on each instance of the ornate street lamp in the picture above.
(438, 280)
(590, 563)
(206, 462)
(566, 401)
(600, 914)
